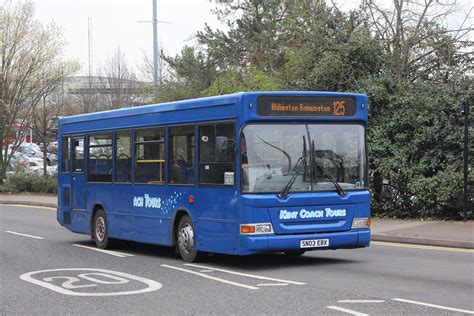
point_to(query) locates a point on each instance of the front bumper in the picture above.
(356, 238)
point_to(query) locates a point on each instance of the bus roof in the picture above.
(190, 104)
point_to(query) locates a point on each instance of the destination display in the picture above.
(305, 106)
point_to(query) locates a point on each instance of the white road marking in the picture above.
(244, 274)
(25, 235)
(68, 286)
(211, 277)
(424, 247)
(361, 301)
(272, 284)
(109, 252)
(434, 306)
(32, 206)
(347, 311)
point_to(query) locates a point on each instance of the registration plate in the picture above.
(312, 243)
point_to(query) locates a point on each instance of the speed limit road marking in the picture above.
(90, 282)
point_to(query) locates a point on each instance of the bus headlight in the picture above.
(255, 229)
(363, 222)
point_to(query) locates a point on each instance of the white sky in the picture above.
(115, 23)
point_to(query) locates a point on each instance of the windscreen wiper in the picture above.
(338, 187)
(311, 157)
(278, 148)
(295, 172)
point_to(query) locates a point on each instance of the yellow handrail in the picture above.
(160, 161)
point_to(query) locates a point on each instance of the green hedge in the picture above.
(24, 182)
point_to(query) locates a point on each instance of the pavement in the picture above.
(431, 233)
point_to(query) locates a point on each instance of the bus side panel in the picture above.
(64, 200)
(134, 212)
(123, 211)
(218, 229)
(153, 208)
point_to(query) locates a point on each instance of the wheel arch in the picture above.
(180, 212)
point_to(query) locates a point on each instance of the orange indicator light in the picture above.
(247, 229)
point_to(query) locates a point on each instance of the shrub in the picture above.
(26, 182)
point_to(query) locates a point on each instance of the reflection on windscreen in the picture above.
(271, 151)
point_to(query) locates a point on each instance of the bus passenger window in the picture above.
(181, 147)
(150, 156)
(65, 155)
(217, 154)
(99, 164)
(123, 156)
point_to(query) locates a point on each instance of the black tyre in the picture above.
(100, 230)
(186, 239)
(294, 253)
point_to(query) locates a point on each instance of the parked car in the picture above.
(33, 150)
(52, 147)
(22, 163)
(16, 167)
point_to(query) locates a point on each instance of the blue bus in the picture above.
(234, 174)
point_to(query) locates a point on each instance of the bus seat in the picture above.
(124, 168)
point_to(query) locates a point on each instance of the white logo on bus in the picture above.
(304, 214)
(146, 201)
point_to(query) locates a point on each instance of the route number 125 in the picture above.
(339, 108)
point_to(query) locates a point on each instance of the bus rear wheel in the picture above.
(100, 230)
(186, 239)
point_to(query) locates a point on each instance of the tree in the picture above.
(249, 79)
(415, 124)
(416, 43)
(118, 84)
(328, 49)
(29, 51)
(186, 75)
(46, 113)
(302, 45)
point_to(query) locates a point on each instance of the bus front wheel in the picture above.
(186, 239)
(100, 230)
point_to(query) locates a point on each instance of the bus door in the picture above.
(217, 200)
(78, 180)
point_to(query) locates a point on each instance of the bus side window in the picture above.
(65, 155)
(217, 154)
(78, 158)
(123, 156)
(150, 156)
(100, 158)
(181, 148)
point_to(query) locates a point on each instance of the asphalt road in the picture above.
(47, 270)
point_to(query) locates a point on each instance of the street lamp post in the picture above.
(156, 54)
(155, 51)
(465, 112)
